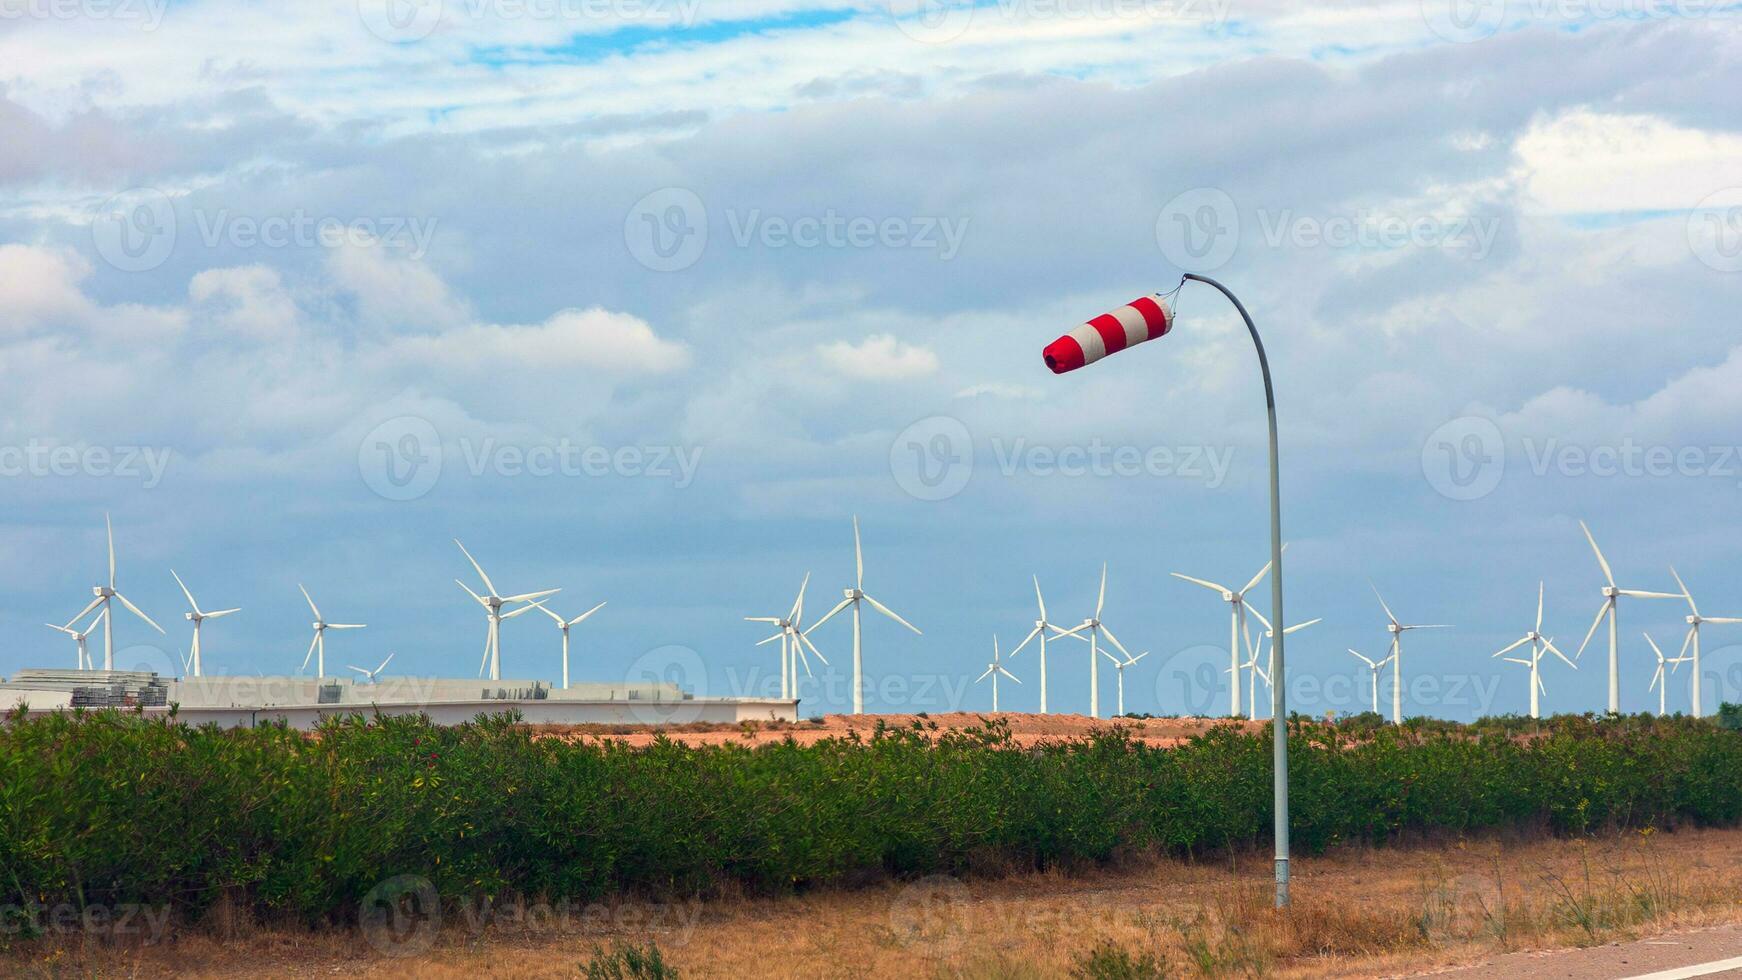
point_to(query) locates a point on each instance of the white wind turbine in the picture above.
(79, 636)
(993, 669)
(193, 664)
(854, 596)
(104, 594)
(1373, 667)
(564, 624)
(493, 603)
(1539, 645)
(1041, 625)
(1119, 668)
(1611, 595)
(369, 675)
(1236, 627)
(1397, 629)
(793, 642)
(1658, 680)
(317, 647)
(1096, 629)
(1693, 637)
(1269, 634)
(1253, 674)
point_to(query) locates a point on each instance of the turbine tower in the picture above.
(1119, 671)
(564, 624)
(104, 595)
(1693, 638)
(1236, 627)
(1611, 595)
(196, 616)
(1041, 625)
(1373, 667)
(493, 603)
(1096, 629)
(1539, 645)
(1270, 634)
(854, 596)
(317, 647)
(993, 669)
(1397, 629)
(79, 636)
(1658, 680)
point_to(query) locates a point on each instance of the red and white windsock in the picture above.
(1141, 319)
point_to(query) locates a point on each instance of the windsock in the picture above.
(1142, 319)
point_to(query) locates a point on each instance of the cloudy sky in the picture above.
(645, 299)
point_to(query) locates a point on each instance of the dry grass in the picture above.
(1357, 912)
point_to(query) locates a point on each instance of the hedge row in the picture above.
(110, 808)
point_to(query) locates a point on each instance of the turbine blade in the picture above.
(1262, 619)
(311, 602)
(1208, 585)
(1137, 658)
(529, 596)
(82, 612)
(844, 603)
(858, 557)
(988, 673)
(135, 610)
(456, 582)
(479, 568)
(1302, 626)
(813, 648)
(1075, 631)
(528, 608)
(1601, 611)
(1513, 647)
(221, 613)
(184, 591)
(1008, 674)
(1608, 572)
(584, 615)
(1723, 619)
(1038, 600)
(109, 526)
(346, 626)
(1656, 676)
(1388, 613)
(1031, 635)
(1639, 594)
(1687, 641)
(1557, 652)
(885, 610)
(311, 652)
(1101, 600)
(1539, 587)
(770, 639)
(1689, 596)
(798, 604)
(1653, 643)
(383, 666)
(1116, 642)
(1364, 659)
(1260, 576)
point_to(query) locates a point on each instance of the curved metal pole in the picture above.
(1279, 688)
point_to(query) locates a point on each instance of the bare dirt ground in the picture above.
(1358, 912)
(1025, 728)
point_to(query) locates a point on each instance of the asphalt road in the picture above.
(1708, 953)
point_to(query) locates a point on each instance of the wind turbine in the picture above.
(369, 675)
(564, 624)
(1270, 634)
(1373, 667)
(1657, 679)
(1236, 626)
(1611, 594)
(793, 641)
(195, 616)
(84, 662)
(104, 594)
(319, 643)
(1693, 637)
(1119, 667)
(854, 596)
(1397, 629)
(1253, 673)
(493, 603)
(1041, 625)
(1096, 628)
(1539, 645)
(993, 669)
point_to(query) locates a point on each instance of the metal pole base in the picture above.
(1282, 882)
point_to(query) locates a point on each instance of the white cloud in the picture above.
(248, 300)
(879, 357)
(615, 344)
(40, 285)
(1590, 162)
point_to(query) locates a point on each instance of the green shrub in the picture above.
(628, 961)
